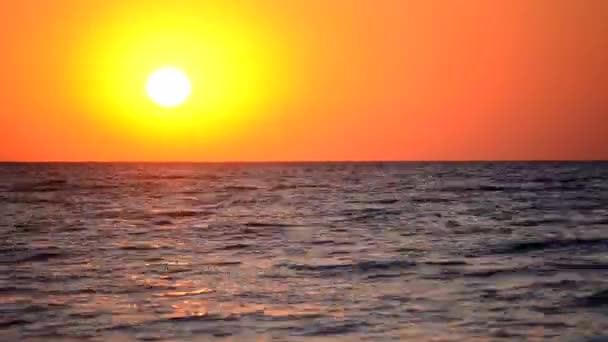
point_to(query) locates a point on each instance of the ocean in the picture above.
(304, 251)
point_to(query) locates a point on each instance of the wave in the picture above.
(359, 267)
(183, 318)
(33, 198)
(160, 217)
(446, 263)
(513, 188)
(141, 247)
(599, 298)
(41, 186)
(495, 272)
(577, 266)
(55, 185)
(181, 213)
(479, 188)
(367, 214)
(205, 317)
(324, 242)
(539, 245)
(297, 186)
(540, 222)
(235, 246)
(335, 328)
(186, 293)
(165, 177)
(240, 188)
(430, 200)
(222, 263)
(378, 201)
(7, 323)
(546, 180)
(265, 224)
(374, 276)
(17, 289)
(163, 222)
(33, 256)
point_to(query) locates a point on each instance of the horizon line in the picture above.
(302, 161)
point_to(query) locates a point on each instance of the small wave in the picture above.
(5, 323)
(43, 186)
(545, 180)
(496, 272)
(363, 218)
(140, 247)
(378, 201)
(31, 227)
(12, 249)
(319, 268)
(202, 317)
(446, 263)
(235, 246)
(34, 198)
(240, 188)
(35, 308)
(265, 224)
(382, 276)
(186, 293)
(174, 318)
(222, 263)
(53, 185)
(32, 257)
(407, 250)
(335, 328)
(533, 246)
(323, 242)
(540, 222)
(452, 224)
(163, 222)
(385, 201)
(596, 299)
(581, 266)
(430, 200)
(359, 267)
(367, 214)
(16, 289)
(513, 188)
(180, 213)
(480, 188)
(366, 211)
(73, 228)
(84, 315)
(97, 186)
(564, 187)
(296, 186)
(165, 177)
(602, 221)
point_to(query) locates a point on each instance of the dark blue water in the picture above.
(304, 252)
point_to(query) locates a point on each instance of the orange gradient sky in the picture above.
(305, 80)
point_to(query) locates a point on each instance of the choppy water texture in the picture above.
(304, 252)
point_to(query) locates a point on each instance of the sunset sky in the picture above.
(276, 80)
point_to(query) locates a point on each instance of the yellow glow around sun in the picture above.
(168, 87)
(215, 75)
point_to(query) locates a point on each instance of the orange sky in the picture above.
(306, 79)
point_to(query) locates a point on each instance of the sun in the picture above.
(168, 87)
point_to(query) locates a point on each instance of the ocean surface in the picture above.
(304, 252)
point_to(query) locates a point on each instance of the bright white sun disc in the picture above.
(168, 87)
